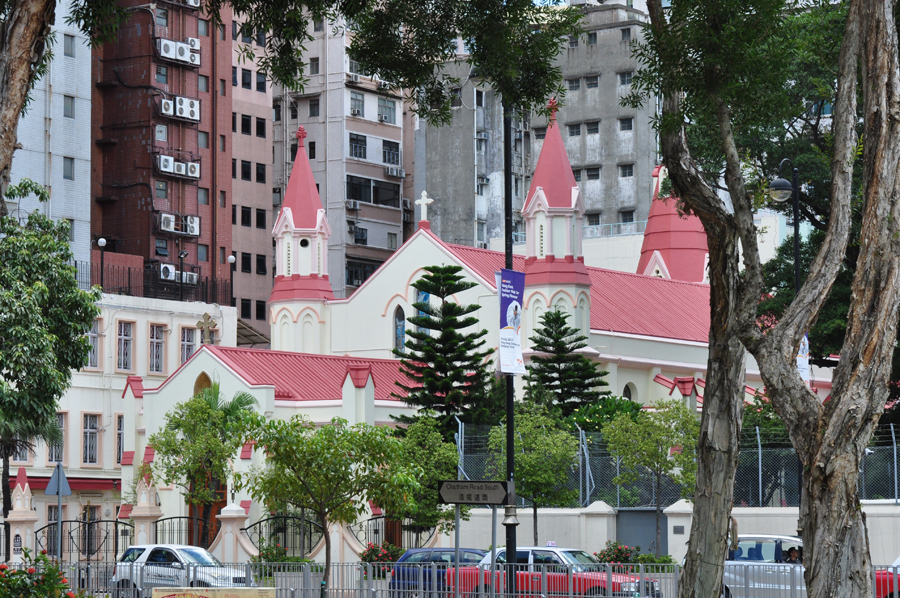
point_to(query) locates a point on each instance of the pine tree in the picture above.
(569, 379)
(446, 367)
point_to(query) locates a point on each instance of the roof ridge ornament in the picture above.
(301, 133)
(424, 201)
(553, 106)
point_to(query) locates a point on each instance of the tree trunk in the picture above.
(658, 514)
(327, 533)
(22, 41)
(534, 511)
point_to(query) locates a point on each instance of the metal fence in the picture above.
(389, 580)
(147, 282)
(86, 540)
(404, 534)
(297, 536)
(767, 474)
(190, 531)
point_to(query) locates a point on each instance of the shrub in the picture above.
(381, 553)
(275, 553)
(651, 559)
(38, 577)
(616, 552)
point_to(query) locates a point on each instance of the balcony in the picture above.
(615, 229)
(148, 282)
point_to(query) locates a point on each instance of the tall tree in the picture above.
(570, 378)
(331, 471)
(661, 442)
(704, 55)
(545, 453)
(447, 368)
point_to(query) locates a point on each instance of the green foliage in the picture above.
(424, 446)
(592, 418)
(276, 553)
(616, 552)
(569, 378)
(43, 316)
(39, 577)
(446, 368)
(331, 471)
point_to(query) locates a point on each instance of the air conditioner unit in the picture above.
(352, 204)
(353, 77)
(191, 277)
(167, 222)
(193, 170)
(193, 3)
(166, 48)
(480, 135)
(193, 225)
(165, 163)
(187, 108)
(167, 107)
(194, 58)
(354, 112)
(481, 245)
(406, 204)
(167, 272)
(394, 171)
(383, 118)
(384, 85)
(518, 134)
(193, 42)
(357, 282)
(183, 51)
(407, 217)
(483, 180)
(181, 168)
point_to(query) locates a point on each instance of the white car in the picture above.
(759, 568)
(143, 568)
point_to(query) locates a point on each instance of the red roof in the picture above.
(127, 458)
(553, 172)
(245, 504)
(125, 511)
(149, 454)
(137, 386)
(21, 478)
(40, 483)
(306, 377)
(301, 195)
(247, 450)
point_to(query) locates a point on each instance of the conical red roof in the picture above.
(554, 171)
(301, 195)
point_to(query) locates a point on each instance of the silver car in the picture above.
(143, 568)
(761, 567)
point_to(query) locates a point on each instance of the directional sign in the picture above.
(464, 492)
(58, 483)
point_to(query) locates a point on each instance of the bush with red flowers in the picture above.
(37, 577)
(381, 553)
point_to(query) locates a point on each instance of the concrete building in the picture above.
(55, 133)
(358, 135)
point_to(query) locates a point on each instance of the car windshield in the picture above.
(131, 555)
(198, 556)
(579, 557)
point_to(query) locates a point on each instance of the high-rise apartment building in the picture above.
(358, 135)
(612, 148)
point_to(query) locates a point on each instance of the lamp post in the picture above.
(181, 255)
(231, 261)
(782, 190)
(101, 242)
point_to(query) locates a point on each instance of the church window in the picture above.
(541, 241)
(287, 257)
(89, 437)
(125, 340)
(422, 297)
(55, 453)
(93, 336)
(157, 348)
(187, 343)
(399, 329)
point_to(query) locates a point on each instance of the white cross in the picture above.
(424, 201)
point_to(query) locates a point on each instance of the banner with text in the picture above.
(510, 290)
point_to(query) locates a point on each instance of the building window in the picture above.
(360, 235)
(592, 38)
(387, 110)
(575, 130)
(187, 343)
(260, 127)
(222, 87)
(574, 84)
(626, 170)
(593, 219)
(234, 76)
(294, 148)
(245, 263)
(245, 309)
(55, 452)
(260, 310)
(593, 174)
(69, 169)
(479, 98)
(246, 79)
(260, 173)
(573, 41)
(311, 151)
(358, 272)
(576, 172)
(455, 97)
(69, 46)
(221, 143)
(222, 199)
(592, 82)
(313, 108)
(124, 345)
(233, 169)
(392, 240)
(162, 17)
(120, 437)
(357, 146)
(276, 111)
(222, 32)
(625, 78)
(260, 38)
(626, 34)
(162, 189)
(293, 110)
(626, 124)
(357, 104)
(93, 336)
(162, 74)
(203, 28)
(246, 124)
(157, 348)
(203, 139)
(261, 264)
(314, 66)
(221, 255)
(390, 152)
(246, 215)
(89, 437)
(276, 196)
(592, 128)
(261, 81)
(20, 453)
(233, 215)
(245, 172)
(202, 253)
(203, 196)
(68, 106)
(359, 189)
(162, 133)
(399, 329)
(318, 25)
(162, 247)
(540, 133)
(626, 216)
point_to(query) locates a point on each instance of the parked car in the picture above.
(142, 568)
(405, 574)
(757, 567)
(539, 565)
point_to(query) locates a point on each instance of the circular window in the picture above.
(304, 242)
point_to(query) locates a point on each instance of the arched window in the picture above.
(399, 329)
(201, 382)
(630, 392)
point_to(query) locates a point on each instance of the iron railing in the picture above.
(404, 534)
(147, 282)
(190, 531)
(614, 229)
(86, 540)
(296, 535)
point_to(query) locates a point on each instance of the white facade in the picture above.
(55, 134)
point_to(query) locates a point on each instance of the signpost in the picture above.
(58, 486)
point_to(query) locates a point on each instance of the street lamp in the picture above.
(101, 242)
(782, 190)
(181, 255)
(231, 261)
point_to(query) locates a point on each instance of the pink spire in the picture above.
(21, 478)
(554, 171)
(301, 195)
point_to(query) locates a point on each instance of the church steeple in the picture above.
(301, 235)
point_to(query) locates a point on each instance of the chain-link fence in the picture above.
(767, 473)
